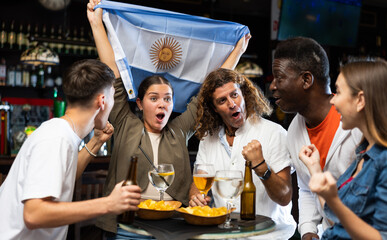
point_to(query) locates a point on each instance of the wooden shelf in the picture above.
(29, 92)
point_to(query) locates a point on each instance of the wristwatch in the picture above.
(267, 174)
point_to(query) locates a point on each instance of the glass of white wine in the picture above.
(203, 177)
(229, 185)
(162, 177)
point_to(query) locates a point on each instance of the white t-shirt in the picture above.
(151, 192)
(44, 167)
(215, 149)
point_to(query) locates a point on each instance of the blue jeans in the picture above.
(125, 235)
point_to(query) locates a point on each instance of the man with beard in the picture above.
(231, 128)
(301, 85)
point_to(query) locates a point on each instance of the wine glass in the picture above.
(229, 185)
(203, 177)
(162, 177)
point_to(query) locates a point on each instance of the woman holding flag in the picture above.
(153, 137)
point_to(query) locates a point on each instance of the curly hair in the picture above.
(207, 120)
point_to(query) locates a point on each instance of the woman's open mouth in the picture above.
(160, 116)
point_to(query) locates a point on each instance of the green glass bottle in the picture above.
(59, 105)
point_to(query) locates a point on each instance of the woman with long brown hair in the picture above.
(356, 204)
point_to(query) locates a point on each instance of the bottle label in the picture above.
(34, 80)
(11, 38)
(18, 78)
(20, 39)
(3, 71)
(3, 37)
(11, 78)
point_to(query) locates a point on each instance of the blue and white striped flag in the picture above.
(180, 47)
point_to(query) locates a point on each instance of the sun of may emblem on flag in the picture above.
(165, 53)
(179, 47)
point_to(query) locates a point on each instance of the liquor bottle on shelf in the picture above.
(26, 76)
(248, 195)
(44, 31)
(18, 76)
(75, 47)
(5, 138)
(49, 81)
(12, 36)
(59, 46)
(35, 34)
(11, 76)
(33, 77)
(40, 82)
(82, 48)
(131, 179)
(3, 72)
(67, 47)
(20, 38)
(44, 34)
(91, 50)
(52, 45)
(3, 35)
(58, 81)
(59, 105)
(27, 36)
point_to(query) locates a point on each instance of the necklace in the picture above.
(74, 128)
(228, 133)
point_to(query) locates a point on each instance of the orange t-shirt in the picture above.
(322, 135)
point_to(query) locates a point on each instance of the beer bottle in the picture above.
(248, 195)
(128, 217)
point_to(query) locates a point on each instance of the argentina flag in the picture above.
(180, 47)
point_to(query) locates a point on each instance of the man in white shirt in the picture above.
(301, 85)
(35, 199)
(231, 130)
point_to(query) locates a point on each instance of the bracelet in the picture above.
(92, 154)
(259, 164)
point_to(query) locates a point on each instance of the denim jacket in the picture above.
(366, 194)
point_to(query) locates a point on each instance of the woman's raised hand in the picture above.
(310, 156)
(94, 16)
(324, 184)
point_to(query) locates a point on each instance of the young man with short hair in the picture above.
(35, 199)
